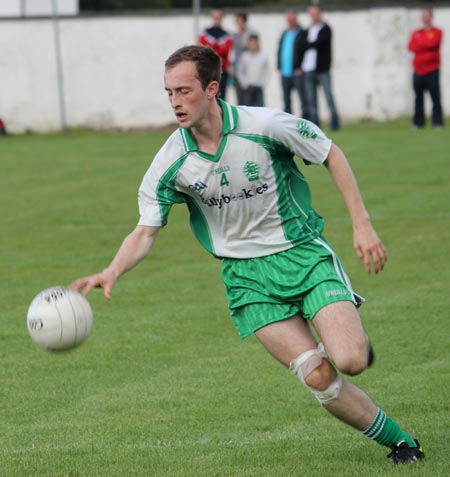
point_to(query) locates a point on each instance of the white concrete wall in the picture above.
(113, 67)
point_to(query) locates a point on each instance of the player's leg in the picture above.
(292, 339)
(291, 342)
(287, 339)
(278, 325)
(341, 331)
(347, 345)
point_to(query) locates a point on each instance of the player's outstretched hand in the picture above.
(104, 280)
(370, 249)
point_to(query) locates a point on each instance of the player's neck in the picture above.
(208, 134)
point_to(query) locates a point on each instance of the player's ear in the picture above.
(212, 89)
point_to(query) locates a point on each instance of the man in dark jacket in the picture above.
(313, 61)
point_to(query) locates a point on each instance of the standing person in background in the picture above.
(253, 73)
(290, 80)
(240, 42)
(222, 43)
(425, 44)
(313, 56)
(2, 128)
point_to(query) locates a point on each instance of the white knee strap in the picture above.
(331, 393)
(307, 362)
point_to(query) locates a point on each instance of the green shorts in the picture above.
(300, 280)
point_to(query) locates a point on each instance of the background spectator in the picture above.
(253, 73)
(221, 42)
(2, 128)
(425, 43)
(240, 41)
(314, 55)
(290, 80)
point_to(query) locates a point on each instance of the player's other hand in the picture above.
(369, 248)
(105, 280)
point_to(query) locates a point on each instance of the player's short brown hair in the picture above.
(206, 60)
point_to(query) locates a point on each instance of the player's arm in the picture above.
(133, 249)
(366, 242)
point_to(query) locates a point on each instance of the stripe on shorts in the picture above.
(338, 268)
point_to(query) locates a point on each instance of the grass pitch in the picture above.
(164, 387)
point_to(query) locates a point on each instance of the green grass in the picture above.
(164, 387)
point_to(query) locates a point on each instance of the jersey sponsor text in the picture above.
(242, 195)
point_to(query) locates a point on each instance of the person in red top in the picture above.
(425, 44)
(222, 43)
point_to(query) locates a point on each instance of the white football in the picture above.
(59, 319)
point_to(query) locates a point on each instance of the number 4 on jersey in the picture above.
(224, 180)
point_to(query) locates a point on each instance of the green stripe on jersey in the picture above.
(166, 191)
(270, 145)
(293, 192)
(199, 225)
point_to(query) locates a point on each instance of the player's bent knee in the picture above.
(317, 374)
(353, 361)
(352, 364)
(321, 377)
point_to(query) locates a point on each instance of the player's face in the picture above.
(188, 99)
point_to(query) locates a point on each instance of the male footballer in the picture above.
(250, 206)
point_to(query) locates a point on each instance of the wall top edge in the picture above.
(205, 11)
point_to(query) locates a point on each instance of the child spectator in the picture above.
(253, 73)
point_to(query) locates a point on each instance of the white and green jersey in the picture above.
(249, 199)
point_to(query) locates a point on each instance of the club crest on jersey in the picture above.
(305, 131)
(251, 170)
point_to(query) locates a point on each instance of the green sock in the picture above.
(387, 432)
